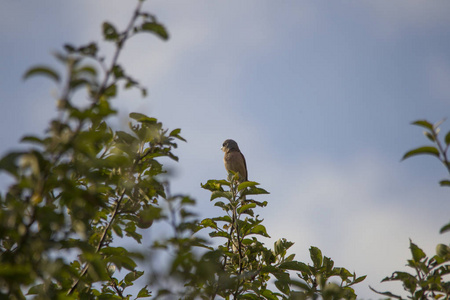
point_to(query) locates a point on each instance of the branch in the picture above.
(100, 243)
(119, 48)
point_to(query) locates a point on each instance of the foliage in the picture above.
(246, 265)
(83, 184)
(430, 277)
(83, 187)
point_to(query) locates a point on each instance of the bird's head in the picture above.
(229, 145)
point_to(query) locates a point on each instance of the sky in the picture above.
(319, 95)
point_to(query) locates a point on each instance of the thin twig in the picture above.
(100, 243)
(119, 48)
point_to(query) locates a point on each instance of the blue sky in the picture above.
(319, 96)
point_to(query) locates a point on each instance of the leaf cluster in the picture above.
(242, 267)
(429, 279)
(83, 184)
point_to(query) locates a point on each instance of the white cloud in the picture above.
(349, 211)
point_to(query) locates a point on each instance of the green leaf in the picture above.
(389, 294)
(246, 184)
(422, 150)
(295, 266)
(43, 71)
(447, 138)
(142, 118)
(148, 215)
(424, 124)
(118, 72)
(249, 296)
(35, 290)
(444, 182)
(316, 256)
(111, 91)
(443, 251)
(417, 253)
(91, 70)
(176, 133)
(132, 276)
(359, 279)
(221, 205)
(143, 293)
(126, 137)
(219, 194)
(445, 228)
(155, 28)
(268, 294)
(281, 245)
(259, 229)
(116, 228)
(209, 223)
(218, 234)
(254, 191)
(245, 207)
(429, 136)
(32, 139)
(215, 185)
(283, 286)
(225, 218)
(89, 50)
(8, 162)
(109, 32)
(122, 261)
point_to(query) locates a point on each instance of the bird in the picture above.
(234, 160)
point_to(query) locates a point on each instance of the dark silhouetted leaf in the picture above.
(8, 162)
(444, 182)
(447, 138)
(295, 266)
(43, 71)
(445, 228)
(155, 28)
(143, 293)
(422, 150)
(389, 294)
(424, 124)
(110, 32)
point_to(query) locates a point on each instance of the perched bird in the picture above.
(234, 160)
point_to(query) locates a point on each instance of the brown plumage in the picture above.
(234, 160)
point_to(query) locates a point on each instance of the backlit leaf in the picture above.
(417, 253)
(444, 182)
(109, 32)
(245, 207)
(43, 71)
(447, 138)
(422, 150)
(316, 256)
(155, 28)
(295, 266)
(445, 228)
(424, 124)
